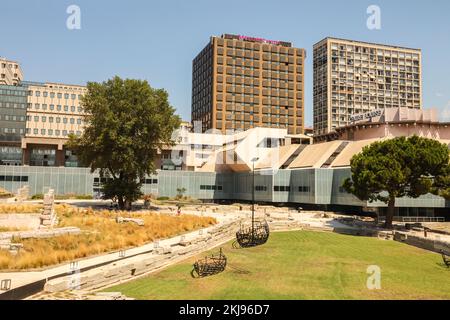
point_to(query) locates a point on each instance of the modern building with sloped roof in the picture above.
(287, 168)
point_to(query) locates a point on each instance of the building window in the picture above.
(281, 188)
(261, 188)
(211, 187)
(304, 189)
(14, 178)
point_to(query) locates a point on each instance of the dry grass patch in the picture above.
(101, 234)
(20, 208)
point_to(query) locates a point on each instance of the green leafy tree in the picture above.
(399, 167)
(126, 123)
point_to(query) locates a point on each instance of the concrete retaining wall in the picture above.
(42, 233)
(424, 243)
(20, 220)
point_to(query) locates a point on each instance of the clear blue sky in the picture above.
(157, 40)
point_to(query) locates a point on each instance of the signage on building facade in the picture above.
(259, 40)
(262, 40)
(367, 115)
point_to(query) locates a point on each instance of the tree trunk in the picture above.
(120, 202)
(390, 213)
(127, 205)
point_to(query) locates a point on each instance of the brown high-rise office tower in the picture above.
(241, 82)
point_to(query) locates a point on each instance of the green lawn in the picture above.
(305, 265)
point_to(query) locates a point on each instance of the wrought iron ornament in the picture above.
(211, 265)
(255, 235)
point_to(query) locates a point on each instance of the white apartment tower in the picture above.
(352, 77)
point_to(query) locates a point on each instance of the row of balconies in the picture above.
(378, 53)
(380, 97)
(256, 71)
(238, 48)
(379, 70)
(256, 118)
(254, 98)
(265, 74)
(372, 89)
(248, 65)
(354, 58)
(379, 90)
(267, 85)
(246, 124)
(269, 107)
(365, 85)
(243, 79)
(378, 105)
(255, 57)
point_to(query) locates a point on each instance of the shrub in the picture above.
(38, 196)
(5, 193)
(163, 198)
(84, 197)
(73, 196)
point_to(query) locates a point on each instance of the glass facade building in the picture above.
(319, 188)
(13, 108)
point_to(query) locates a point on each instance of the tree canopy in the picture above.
(399, 167)
(126, 123)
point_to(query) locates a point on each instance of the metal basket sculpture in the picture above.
(253, 236)
(211, 265)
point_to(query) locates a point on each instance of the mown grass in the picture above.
(305, 265)
(101, 234)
